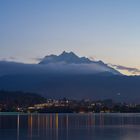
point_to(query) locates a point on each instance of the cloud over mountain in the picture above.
(64, 63)
(133, 71)
(71, 61)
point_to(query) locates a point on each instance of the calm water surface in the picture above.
(69, 126)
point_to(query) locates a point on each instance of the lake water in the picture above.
(69, 126)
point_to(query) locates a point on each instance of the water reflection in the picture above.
(30, 126)
(18, 127)
(70, 126)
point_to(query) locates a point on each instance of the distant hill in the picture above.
(119, 88)
(19, 98)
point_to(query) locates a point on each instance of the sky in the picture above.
(107, 30)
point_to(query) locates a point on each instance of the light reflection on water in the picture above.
(70, 126)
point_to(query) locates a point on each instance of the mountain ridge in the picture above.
(67, 57)
(72, 58)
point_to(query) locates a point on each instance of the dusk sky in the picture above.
(108, 30)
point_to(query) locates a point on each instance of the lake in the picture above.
(69, 126)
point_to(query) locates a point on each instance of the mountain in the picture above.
(65, 57)
(68, 75)
(65, 63)
(82, 63)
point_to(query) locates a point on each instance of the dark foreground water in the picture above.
(70, 127)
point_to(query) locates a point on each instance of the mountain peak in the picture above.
(64, 53)
(67, 57)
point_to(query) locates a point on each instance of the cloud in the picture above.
(133, 71)
(8, 68)
(11, 58)
(38, 59)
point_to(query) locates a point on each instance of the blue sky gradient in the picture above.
(104, 29)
